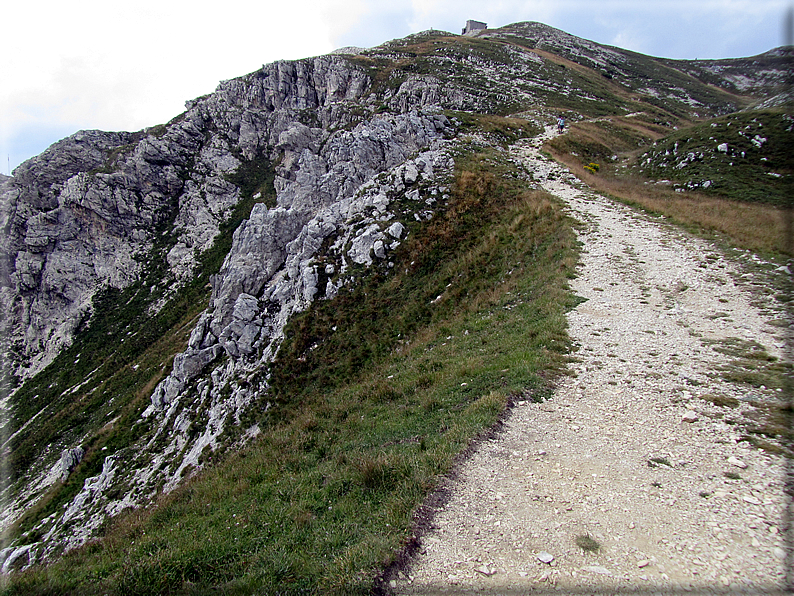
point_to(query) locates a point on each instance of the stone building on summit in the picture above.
(473, 27)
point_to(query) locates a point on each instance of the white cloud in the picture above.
(112, 65)
(341, 16)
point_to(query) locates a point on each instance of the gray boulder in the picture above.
(69, 460)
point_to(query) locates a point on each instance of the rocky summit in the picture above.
(151, 280)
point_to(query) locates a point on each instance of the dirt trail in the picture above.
(627, 453)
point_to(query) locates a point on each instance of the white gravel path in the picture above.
(581, 464)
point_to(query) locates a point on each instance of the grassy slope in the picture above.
(616, 144)
(761, 175)
(473, 315)
(755, 166)
(515, 82)
(625, 79)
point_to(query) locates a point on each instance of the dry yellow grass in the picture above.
(753, 226)
(756, 227)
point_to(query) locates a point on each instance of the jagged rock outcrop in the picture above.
(246, 321)
(84, 214)
(69, 459)
(175, 179)
(20, 557)
(67, 234)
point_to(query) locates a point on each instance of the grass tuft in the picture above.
(587, 543)
(655, 462)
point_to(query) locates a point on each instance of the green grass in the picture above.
(368, 417)
(517, 81)
(756, 166)
(724, 401)
(629, 74)
(378, 391)
(769, 422)
(254, 177)
(587, 543)
(752, 365)
(502, 129)
(601, 140)
(723, 212)
(655, 462)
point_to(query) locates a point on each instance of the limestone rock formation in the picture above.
(87, 214)
(69, 459)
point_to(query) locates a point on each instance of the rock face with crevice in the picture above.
(85, 213)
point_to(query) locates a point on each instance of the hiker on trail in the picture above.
(560, 124)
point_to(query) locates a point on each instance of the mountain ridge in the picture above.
(329, 166)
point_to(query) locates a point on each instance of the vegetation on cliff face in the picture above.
(104, 379)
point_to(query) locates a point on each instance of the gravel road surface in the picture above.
(634, 477)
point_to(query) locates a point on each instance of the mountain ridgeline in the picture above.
(249, 341)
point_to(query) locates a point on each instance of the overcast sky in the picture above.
(104, 64)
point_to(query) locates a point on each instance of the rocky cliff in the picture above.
(359, 148)
(87, 213)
